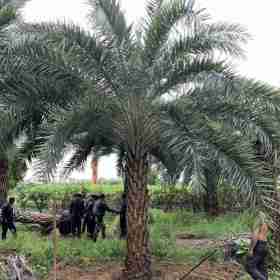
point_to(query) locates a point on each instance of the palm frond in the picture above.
(87, 145)
(108, 18)
(192, 71)
(7, 15)
(14, 3)
(153, 8)
(158, 25)
(80, 126)
(235, 156)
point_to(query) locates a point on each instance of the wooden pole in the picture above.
(54, 242)
(275, 170)
(275, 215)
(94, 170)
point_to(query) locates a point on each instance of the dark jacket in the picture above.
(100, 208)
(7, 213)
(77, 207)
(89, 207)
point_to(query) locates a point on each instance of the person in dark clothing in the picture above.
(256, 261)
(89, 219)
(64, 224)
(100, 208)
(256, 265)
(8, 218)
(123, 220)
(77, 212)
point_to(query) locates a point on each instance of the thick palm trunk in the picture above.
(138, 261)
(3, 181)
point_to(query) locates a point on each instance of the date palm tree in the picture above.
(135, 89)
(245, 114)
(8, 15)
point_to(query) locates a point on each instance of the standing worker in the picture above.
(100, 208)
(256, 263)
(76, 212)
(8, 218)
(89, 219)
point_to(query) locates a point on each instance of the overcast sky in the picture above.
(261, 18)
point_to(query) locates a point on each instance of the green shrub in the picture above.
(38, 196)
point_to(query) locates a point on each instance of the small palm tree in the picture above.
(136, 90)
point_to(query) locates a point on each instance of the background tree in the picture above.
(8, 16)
(246, 113)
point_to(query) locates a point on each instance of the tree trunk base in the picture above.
(125, 275)
(138, 273)
(138, 261)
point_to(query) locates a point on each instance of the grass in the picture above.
(224, 226)
(164, 228)
(71, 251)
(202, 226)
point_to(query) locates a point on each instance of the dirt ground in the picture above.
(164, 271)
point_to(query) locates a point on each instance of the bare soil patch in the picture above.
(196, 241)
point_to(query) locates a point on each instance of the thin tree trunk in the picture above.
(55, 245)
(211, 198)
(275, 215)
(212, 203)
(94, 168)
(138, 261)
(3, 181)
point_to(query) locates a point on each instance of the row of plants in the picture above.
(38, 196)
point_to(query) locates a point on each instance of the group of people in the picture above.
(87, 215)
(84, 215)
